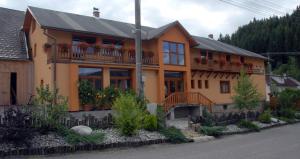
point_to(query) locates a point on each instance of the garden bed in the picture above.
(53, 143)
(234, 129)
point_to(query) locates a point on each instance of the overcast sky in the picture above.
(199, 17)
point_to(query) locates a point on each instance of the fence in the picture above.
(233, 118)
(68, 121)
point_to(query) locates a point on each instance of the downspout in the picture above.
(53, 51)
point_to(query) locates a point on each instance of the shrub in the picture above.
(17, 128)
(160, 117)
(212, 131)
(86, 92)
(127, 114)
(207, 119)
(150, 122)
(49, 108)
(265, 117)
(73, 138)
(297, 115)
(248, 125)
(288, 97)
(106, 97)
(174, 135)
(287, 113)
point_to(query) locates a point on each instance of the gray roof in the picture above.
(214, 45)
(12, 46)
(87, 24)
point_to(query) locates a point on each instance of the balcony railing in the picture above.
(101, 54)
(222, 66)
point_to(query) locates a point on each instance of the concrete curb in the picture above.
(203, 138)
(74, 148)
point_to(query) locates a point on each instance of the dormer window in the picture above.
(242, 59)
(173, 53)
(228, 58)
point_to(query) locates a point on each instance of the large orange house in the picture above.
(177, 67)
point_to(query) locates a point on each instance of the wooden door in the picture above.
(173, 85)
(4, 88)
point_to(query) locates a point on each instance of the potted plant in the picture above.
(47, 47)
(97, 48)
(86, 94)
(197, 60)
(64, 47)
(83, 46)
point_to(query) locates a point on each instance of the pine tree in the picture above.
(247, 96)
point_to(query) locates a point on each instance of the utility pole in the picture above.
(138, 48)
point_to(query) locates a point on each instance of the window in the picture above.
(83, 39)
(120, 78)
(173, 53)
(210, 56)
(225, 86)
(113, 42)
(199, 84)
(228, 58)
(93, 75)
(192, 84)
(242, 59)
(206, 84)
(203, 57)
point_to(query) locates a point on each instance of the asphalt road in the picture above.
(276, 143)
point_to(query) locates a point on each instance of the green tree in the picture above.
(247, 96)
(291, 68)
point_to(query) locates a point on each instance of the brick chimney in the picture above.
(211, 36)
(96, 12)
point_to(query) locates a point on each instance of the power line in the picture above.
(264, 8)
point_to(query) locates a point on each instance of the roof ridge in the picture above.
(12, 9)
(89, 16)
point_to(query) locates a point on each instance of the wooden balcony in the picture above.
(222, 66)
(99, 54)
(187, 98)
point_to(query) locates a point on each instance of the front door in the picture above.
(4, 88)
(173, 83)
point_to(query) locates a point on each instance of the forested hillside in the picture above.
(274, 34)
(268, 35)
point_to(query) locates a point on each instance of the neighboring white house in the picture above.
(281, 83)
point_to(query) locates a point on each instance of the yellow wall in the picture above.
(23, 69)
(213, 92)
(174, 34)
(42, 70)
(67, 73)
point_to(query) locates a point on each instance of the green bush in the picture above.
(160, 117)
(150, 122)
(73, 138)
(212, 131)
(265, 117)
(297, 115)
(49, 108)
(174, 135)
(287, 113)
(208, 119)
(288, 120)
(106, 97)
(248, 125)
(287, 98)
(127, 114)
(86, 92)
